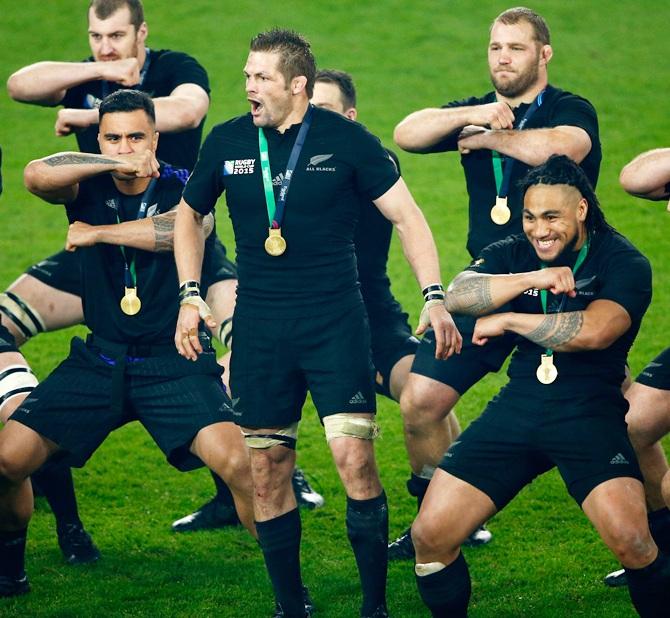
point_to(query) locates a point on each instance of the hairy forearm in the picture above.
(419, 248)
(177, 113)
(45, 83)
(478, 294)
(535, 146)
(648, 174)
(425, 128)
(189, 242)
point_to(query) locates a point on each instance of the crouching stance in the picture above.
(127, 369)
(578, 291)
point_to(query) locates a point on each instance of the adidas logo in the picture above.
(358, 398)
(278, 179)
(618, 459)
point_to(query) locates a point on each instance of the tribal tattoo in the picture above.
(470, 295)
(164, 231)
(77, 159)
(557, 329)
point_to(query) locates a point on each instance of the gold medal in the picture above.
(275, 244)
(130, 303)
(500, 213)
(546, 373)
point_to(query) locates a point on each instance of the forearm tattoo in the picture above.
(471, 295)
(77, 159)
(164, 231)
(557, 329)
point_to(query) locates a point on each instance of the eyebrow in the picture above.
(134, 134)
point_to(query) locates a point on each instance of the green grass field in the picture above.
(545, 559)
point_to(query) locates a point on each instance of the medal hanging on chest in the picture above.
(275, 243)
(131, 303)
(500, 212)
(547, 372)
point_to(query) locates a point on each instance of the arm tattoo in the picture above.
(557, 329)
(77, 159)
(208, 224)
(471, 295)
(164, 231)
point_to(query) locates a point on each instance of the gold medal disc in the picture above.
(500, 213)
(546, 373)
(275, 244)
(130, 303)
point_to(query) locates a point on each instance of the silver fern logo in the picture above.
(315, 160)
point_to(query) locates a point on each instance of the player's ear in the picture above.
(298, 84)
(142, 33)
(546, 54)
(582, 210)
(351, 113)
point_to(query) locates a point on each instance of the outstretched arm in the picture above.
(595, 328)
(56, 178)
(45, 83)
(532, 146)
(421, 130)
(648, 175)
(474, 293)
(152, 234)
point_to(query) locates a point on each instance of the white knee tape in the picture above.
(348, 426)
(15, 380)
(19, 311)
(428, 568)
(286, 436)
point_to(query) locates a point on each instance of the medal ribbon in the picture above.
(581, 256)
(143, 74)
(276, 210)
(129, 275)
(503, 180)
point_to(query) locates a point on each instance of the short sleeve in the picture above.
(205, 185)
(572, 110)
(375, 170)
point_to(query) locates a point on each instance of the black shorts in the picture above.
(657, 373)
(392, 339)
(461, 371)
(216, 266)
(277, 360)
(7, 342)
(518, 438)
(62, 271)
(172, 397)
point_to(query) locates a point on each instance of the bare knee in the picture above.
(423, 404)
(13, 471)
(431, 540)
(632, 544)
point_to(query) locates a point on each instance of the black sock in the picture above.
(417, 486)
(368, 531)
(649, 587)
(659, 524)
(12, 552)
(55, 480)
(223, 494)
(279, 539)
(447, 592)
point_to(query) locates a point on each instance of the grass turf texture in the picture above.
(545, 559)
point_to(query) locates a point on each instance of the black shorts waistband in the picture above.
(134, 350)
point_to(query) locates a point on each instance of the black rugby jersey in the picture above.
(167, 70)
(614, 270)
(98, 203)
(341, 164)
(558, 108)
